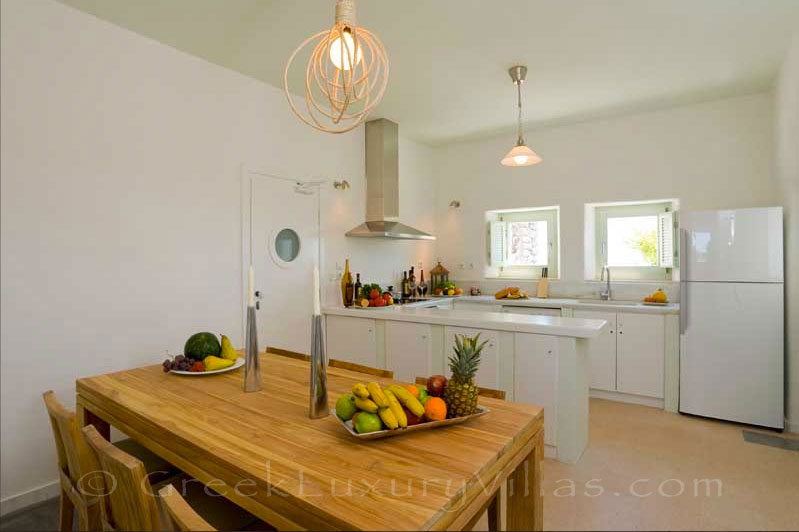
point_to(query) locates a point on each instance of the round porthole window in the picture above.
(287, 245)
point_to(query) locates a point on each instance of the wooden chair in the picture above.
(77, 467)
(485, 392)
(494, 507)
(130, 503)
(385, 373)
(288, 354)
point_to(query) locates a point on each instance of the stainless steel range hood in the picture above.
(382, 186)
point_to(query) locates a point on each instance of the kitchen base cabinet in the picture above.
(489, 371)
(352, 340)
(640, 354)
(409, 350)
(602, 351)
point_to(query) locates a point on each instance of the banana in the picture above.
(388, 417)
(360, 390)
(409, 401)
(395, 407)
(367, 405)
(377, 395)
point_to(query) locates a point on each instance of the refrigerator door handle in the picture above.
(683, 280)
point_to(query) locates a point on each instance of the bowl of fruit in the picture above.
(373, 297)
(204, 354)
(658, 298)
(447, 289)
(371, 412)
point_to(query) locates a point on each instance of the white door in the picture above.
(409, 350)
(285, 246)
(488, 374)
(351, 340)
(640, 354)
(734, 245)
(602, 350)
(731, 352)
(535, 378)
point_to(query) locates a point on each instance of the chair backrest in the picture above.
(288, 354)
(485, 392)
(75, 459)
(182, 515)
(130, 503)
(385, 373)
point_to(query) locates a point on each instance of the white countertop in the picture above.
(498, 321)
(574, 303)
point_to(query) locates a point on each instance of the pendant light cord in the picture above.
(519, 103)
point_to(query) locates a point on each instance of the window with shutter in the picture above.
(522, 242)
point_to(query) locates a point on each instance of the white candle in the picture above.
(316, 303)
(251, 288)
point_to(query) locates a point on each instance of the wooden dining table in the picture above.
(263, 452)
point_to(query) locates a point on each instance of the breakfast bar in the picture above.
(538, 360)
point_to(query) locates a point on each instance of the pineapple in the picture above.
(460, 395)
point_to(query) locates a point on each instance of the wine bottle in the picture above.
(357, 290)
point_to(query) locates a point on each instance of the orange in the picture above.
(435, 409)
(413, 389)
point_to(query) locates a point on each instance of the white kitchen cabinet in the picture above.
(488, 374)
(602, 350)
(536, 378)
(409, 350)
(352, 340)
(640, 354)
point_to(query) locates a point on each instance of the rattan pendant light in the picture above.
(521, 154)
(346, 74)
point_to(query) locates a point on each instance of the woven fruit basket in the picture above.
(481, 411)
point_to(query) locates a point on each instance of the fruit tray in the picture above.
(236, 365)
(654, 304)
(481, 410)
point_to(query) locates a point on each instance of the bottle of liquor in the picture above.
(349, 291)
(422, 284)
(346, 275)
(412, 283)
(358, 286)
(406, 291)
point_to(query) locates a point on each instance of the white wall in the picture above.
(787, 174)
(121, 229)
(711, 155)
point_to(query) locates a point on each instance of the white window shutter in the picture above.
(498, 243)
(666, 239)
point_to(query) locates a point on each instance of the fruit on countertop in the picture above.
(460, 393)
(364, 303)
(345, 407)
(423, 395)
(377, 395)
(367, 422)
(413, 389)
(447, 289)
(438, 292)
(413, 419)
(396, 407)
(436, 385)
(360, 390)
(435, 409)
(408, 401)
(228, 351)
(388, 417)
(181, 363)
(658, 296)
(367, 405)
(197, 367)
(214, 363)
(201, 345)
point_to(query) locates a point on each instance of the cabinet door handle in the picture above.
(611, 331)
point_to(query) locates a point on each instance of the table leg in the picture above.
(525, 503)
(86, 417)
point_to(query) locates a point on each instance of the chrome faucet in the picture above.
(606, 294)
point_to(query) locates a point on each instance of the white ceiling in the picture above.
(449, 58)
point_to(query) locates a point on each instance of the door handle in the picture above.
(683, 280)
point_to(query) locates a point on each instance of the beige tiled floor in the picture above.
(663, 451)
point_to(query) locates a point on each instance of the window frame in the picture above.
(601, 214)
(549, 214)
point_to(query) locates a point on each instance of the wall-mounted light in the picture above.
(455, 204)
(341, 185)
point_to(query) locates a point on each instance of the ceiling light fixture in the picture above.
(520, 155)
(346, 74)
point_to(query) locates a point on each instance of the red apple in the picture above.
(436, 385)
(412, 418)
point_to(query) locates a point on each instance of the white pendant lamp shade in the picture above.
(521, 154)
(345, 76)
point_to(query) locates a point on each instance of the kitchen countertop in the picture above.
(575, 303)
(499, 321)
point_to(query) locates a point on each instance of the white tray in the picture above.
(236, 365)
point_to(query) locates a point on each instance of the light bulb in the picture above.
(520, 159)
(341, 58)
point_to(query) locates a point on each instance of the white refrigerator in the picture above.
(731, 315)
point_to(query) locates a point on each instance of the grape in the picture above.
(180, 358)
(191, 361)
(166, 369)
